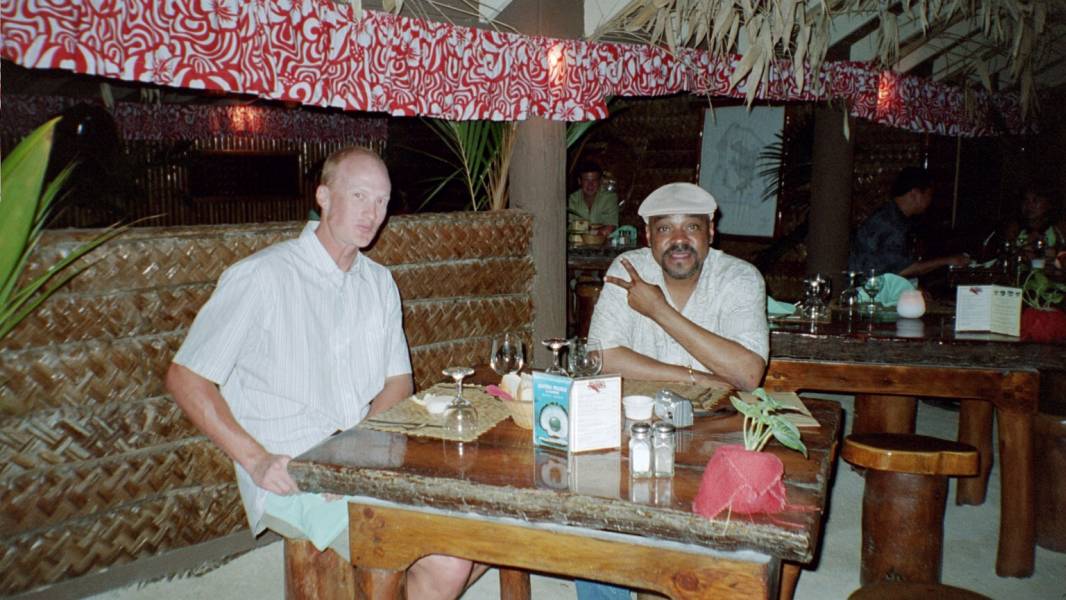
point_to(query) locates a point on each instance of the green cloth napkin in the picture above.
(319, 519)
(892, 286)
(775, 308)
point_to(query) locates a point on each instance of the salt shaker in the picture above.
(663, 449)
(640, 452)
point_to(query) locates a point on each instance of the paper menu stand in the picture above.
(596, 413)
(577, 414)
(992, 308)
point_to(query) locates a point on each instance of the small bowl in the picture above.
(638, 408)
(593, 239)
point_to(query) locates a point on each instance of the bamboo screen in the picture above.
(98, 466)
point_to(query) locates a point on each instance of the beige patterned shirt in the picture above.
(729, 300)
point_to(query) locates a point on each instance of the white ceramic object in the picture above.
(911, 304)
(434, 404)
(638, 408)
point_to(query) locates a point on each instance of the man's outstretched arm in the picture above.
(205, 407)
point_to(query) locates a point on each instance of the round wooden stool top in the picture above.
(910, 453)
(901, 590)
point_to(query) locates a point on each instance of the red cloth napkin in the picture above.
(745, 481)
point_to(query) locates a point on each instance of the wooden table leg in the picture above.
(311, 574)
(379, 584)
(975, 429)
(1017, 523)
(514, 584)
(884, 414)
(790, 574)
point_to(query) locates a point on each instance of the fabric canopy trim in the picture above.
(319, 53)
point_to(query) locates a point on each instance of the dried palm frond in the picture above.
(764, 32)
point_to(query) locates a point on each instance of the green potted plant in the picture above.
(742, 478)
(1043, 319)
(26, 201)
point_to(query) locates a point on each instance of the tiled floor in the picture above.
(969, 552)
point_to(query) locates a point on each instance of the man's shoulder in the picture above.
(729, 263)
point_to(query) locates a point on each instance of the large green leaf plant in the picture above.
(764, 419)
(26, 201)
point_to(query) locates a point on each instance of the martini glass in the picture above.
(460, 418)
(556, 344)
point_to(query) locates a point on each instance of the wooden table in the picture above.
(882, 359)
(502, 502)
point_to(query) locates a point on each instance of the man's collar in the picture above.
(319, 257)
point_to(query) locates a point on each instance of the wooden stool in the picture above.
(902, 590)
(903, 502)
(1049, 452)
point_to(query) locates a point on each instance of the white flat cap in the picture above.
(678, 199)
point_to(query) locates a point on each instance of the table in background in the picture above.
(502, 502)
(585, 268)
(984, 371)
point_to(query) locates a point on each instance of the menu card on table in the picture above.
(577, 414)
(992, 308)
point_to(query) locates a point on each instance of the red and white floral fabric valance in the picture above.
(320, 53)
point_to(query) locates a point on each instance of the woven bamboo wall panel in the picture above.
(428, 361)
(453, 236)
(154, 257)
(128, 532)
(73, 317)
(476, 277)
(431, 321)
(97, 462)
(84, 373)
(47, 497)
(47, 438)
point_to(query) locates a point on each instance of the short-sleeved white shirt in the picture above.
(298, 347)
(729, 300)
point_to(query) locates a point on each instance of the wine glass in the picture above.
(507, 356)
(849, 298)
(555, 344)
(585, 357)
(872, 287)
(460, 418)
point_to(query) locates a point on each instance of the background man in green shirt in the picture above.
(592, 202)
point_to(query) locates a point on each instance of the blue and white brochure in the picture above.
(551, 410)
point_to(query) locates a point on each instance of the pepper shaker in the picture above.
(663, 449)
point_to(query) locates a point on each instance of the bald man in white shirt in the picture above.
(303, 339)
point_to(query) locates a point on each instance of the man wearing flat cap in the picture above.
(680, 310)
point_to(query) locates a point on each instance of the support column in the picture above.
(831, 176)
(538, 175)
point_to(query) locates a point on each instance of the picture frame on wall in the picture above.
(733, 138)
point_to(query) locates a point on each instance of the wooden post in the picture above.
(538, 175)
(829, 220)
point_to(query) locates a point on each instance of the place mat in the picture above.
(704, 397)
(410, 418)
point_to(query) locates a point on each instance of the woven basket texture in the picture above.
(99, 467)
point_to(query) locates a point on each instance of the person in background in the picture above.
(592, 202)
(1039, 214)
(882, 242)
(300, 340)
